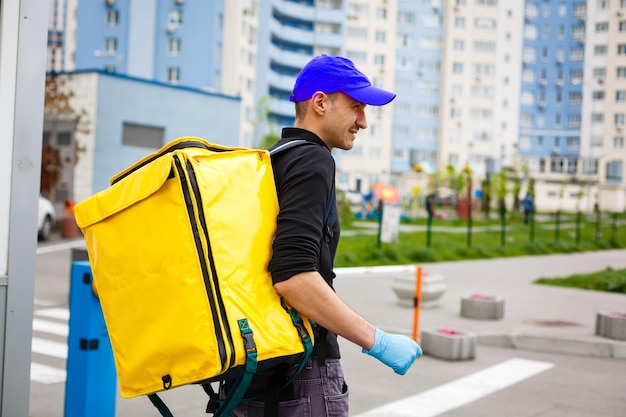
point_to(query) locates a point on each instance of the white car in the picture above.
(46, 218)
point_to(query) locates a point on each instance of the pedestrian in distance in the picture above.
(527, 204)
(330, 96)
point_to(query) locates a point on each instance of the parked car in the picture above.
(46, 218)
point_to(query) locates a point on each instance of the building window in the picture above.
(622, 26)
(562, 9)
(602, 27)
(175, 18)
(144, 136)
(380, 37)
(457, 67)
(459, 22)
(597, 118)
(602, 4)
(577, 54)
(529, 54)
(614, 172)
(486, 70)
(575, 99)
(379, 60)
(113, 17)
(458, 45)
(530, 32)
(573, 121)
(618, 142)
(531, 10)
(597, 95)
(381, 13)
(621, 49)
(173, 75)
(620, 95)
(404, 41)
(600, 50)
(590, 166)
(621, 72)
(173, 46)
(406, 18)
(576, 76)
(528, 75)
(619, 119)
(524, 143)
(579, 10)
(359, 33)
(573, 143)
(110, 46)
(599, 72)
(484, 23)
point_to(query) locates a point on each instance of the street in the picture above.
(564, 385)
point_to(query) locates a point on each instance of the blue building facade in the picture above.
(169, 41)
(418, 73)
(291, 32)
(552, 85)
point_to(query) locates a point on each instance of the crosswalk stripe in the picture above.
(49, 348)
(54, 313)
(45, 374)
(51, 327)
(462, 391)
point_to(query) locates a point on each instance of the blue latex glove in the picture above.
(394, 350)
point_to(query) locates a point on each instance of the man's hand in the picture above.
(394, 350)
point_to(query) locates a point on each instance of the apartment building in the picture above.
(480, 83)
(370, 42)
(479, 89)
(604, 103)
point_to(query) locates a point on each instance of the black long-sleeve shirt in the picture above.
(304, 177)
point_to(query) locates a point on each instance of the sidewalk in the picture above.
(536, 317)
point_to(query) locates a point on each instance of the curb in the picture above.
(568, 346)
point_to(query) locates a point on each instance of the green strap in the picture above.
(160, 405)
(243, 380)
(304, 336)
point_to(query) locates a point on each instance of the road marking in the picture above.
(45, 374)
(51, 327)
(463, 391)
(54, 313)
(49, 348)
(61, 246)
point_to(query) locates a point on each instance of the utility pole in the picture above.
(23, 32)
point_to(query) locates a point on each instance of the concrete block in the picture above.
(482, 307)
(433, 287)
(611, 325)
(448, 344)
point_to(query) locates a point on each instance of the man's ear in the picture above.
(318, 102)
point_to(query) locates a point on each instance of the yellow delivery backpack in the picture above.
(179, 246)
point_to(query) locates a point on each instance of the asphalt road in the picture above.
(572, 386)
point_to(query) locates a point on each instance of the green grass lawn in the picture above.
(365, 250)
(611, 280)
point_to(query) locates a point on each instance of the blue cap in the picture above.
(333, 74)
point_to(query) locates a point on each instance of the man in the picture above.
(330, 96)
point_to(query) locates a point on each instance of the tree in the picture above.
(57, 106)
(263, 124)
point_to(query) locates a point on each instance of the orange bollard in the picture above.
(416, 303)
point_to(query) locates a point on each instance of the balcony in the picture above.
(296, 10)
(283, 82)
(291, 58)
(291, 33)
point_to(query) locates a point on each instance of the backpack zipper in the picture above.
(205, 271)
(214, 277)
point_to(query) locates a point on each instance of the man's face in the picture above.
(343, 121)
